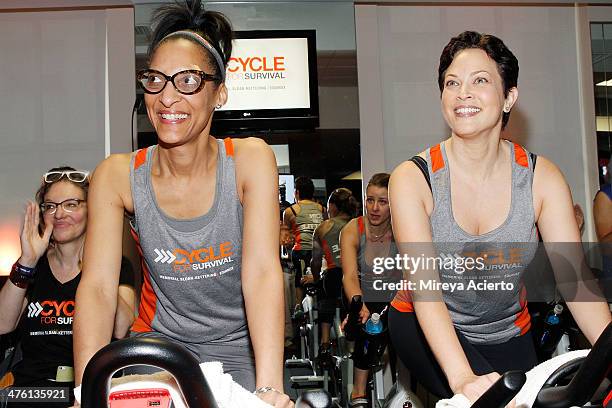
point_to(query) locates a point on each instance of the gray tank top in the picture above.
(489, 316)
(306, 221)
(331, 243)
(366, 273)
(192, 290)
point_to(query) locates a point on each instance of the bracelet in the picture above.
(26, 271)
(263, 390)
(21, 275)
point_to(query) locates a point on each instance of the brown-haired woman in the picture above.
(44, 281)
(475, 188)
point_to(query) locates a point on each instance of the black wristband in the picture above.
(21, 275)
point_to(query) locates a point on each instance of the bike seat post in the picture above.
(313, 318)
(377, 386)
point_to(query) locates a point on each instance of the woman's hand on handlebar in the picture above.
(364, 314)
(344, 322)
(473, 386)
(276, 399)
(307, 280)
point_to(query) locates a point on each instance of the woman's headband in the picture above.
(200, 40)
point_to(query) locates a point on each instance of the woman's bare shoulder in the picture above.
(112, 177)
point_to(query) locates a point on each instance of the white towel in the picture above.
(536, 377)
(227, 392)
(458, 401)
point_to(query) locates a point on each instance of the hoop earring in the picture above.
(218, 106)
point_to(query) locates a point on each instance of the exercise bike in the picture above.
(193, 387)
(370, 349)
(577, 382)
(309, 344)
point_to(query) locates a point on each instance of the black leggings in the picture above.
(332, 292)
(412, 348)
(298, 255)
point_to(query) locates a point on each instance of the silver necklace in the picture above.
(378, 237)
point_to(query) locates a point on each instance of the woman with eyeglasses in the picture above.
(38, 298)
(205, 216)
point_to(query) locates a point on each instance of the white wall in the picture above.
(554, 115)
(333, 20)
(64, 100)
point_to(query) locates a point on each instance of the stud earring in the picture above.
(506, 109)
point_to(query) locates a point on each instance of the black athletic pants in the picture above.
(412, 349)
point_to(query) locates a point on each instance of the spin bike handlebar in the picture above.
(591, 371)
(172, 357)
(502, 391)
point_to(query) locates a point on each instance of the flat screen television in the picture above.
(271, 81)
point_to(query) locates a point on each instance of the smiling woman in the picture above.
(204, 215)
(44, 280)
(476, 187)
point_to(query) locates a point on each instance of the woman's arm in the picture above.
(411, 203)
(262, 276)
(126, 300)
(288, 218)
(602, 212)
(349, 248)
(12, 304)
(33, 246)
(349, 245)
(557, 224)
(96, 298)
(124, 316)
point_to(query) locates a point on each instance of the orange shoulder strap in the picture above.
(229, 147)
(141, 158)
(437, 160)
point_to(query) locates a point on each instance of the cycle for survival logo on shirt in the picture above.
(51, 317)
(212, 260)
(268, 73)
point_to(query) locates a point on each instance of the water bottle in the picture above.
(552, 331)
(351, 329)
(374, 325)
